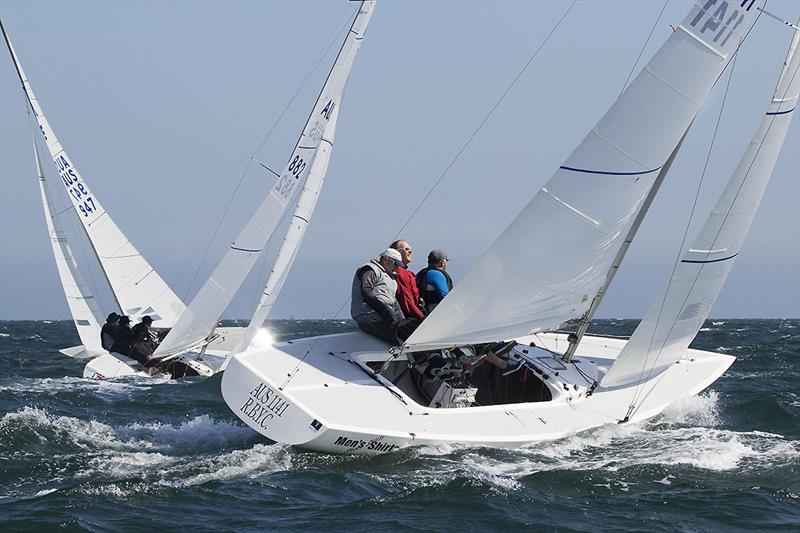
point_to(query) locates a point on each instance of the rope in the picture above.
(633, 68)
(218, 219)
(485, 119)
(686, 228)
(721, 226)
(638, 389)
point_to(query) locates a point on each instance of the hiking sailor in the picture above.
(407, 290)
(374, 304)
(143, 344)
(109, 335)
(434, 282)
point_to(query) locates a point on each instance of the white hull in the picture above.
(114, 365)
(317, 393)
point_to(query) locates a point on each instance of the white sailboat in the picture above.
(137, 288)
(350, 393)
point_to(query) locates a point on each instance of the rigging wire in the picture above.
(453, 161)
(650, 35)
(732, 64)
(688, 225)
(484, 120)
(215, 225)
(719, 230)
(586, 320)
(84, 122)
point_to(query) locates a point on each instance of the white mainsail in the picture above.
(294, 234)
(545, 269)
(676, 316)
(205, 310)
(82, 303)
(137, 287)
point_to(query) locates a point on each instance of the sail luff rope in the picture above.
(719, 230)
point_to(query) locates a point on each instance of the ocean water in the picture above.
(136, 455)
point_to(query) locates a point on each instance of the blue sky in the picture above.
(161, 106)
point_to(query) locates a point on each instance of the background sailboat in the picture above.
(137, 287)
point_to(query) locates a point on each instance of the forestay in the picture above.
(82, 303)
(544, 270)
(294, 234)
(205, 310)
(676, 316)
(137, 287)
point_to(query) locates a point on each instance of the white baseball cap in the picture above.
(394, 255)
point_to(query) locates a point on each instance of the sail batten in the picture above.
(675, 318)
(203, 313)
(549, 265)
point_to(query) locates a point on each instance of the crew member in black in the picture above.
(124, 336)
(109, 335)
(143, 344)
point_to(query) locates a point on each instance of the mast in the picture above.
(575, 338)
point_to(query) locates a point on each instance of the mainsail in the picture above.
(676, 316)
(545, 269)
(294, 234)
(205, 310)
(82, 304)
(137, 287)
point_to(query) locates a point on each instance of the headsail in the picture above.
(294, 234)
(545, 269)
(137, 287)
(82, 304)
(205, 310)
(676, 316)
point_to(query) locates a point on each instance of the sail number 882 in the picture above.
(286, 183)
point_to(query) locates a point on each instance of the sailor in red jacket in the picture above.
(407, 290)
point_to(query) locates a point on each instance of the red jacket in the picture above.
(408, 293)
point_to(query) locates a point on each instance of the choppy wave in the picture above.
(177, 450)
